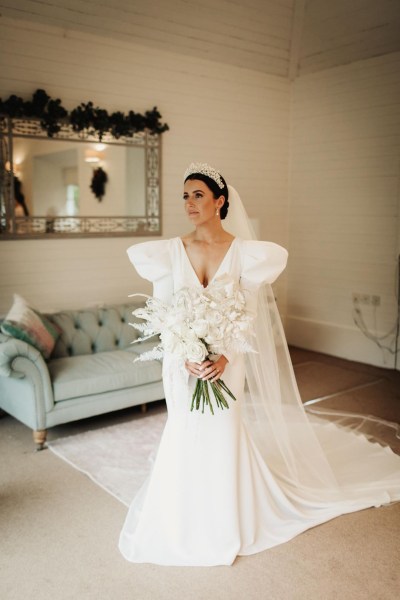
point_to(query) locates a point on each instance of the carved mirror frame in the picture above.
(14, 227)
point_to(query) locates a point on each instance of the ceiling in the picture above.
(286, 38)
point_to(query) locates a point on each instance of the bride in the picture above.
(242, 480)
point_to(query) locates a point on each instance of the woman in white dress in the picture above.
(256, 475)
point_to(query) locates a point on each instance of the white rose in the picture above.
(216, 318)
(200, 327)
(215, 335)
(196, 352)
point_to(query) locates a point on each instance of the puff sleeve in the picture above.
(152, 261)
(262, 262)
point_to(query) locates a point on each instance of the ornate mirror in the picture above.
(70, 185)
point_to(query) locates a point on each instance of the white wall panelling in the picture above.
(344, 213)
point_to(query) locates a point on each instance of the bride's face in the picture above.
(200, 204)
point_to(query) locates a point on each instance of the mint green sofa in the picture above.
(90, 371)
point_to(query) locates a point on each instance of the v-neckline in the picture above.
(219, 266)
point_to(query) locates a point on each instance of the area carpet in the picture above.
(119, 457)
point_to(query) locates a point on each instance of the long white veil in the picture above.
(318, 462)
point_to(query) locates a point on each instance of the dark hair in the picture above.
(216, 190)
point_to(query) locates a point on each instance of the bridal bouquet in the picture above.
(199, 323)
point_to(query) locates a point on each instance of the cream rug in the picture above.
(117, 458)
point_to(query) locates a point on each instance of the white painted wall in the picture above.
(344, 211)
(231, 117)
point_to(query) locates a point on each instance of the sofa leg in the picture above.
(143, 407)
(39, 437)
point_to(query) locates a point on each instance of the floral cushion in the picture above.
(27, 324)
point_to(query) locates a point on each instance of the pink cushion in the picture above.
(27, 324)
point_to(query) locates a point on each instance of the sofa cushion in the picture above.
(102, 372)
(26, 324)
(92, 330)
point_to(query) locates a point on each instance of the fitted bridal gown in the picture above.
(210, 495)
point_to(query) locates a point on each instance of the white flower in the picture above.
(168, 339)
(216, 318)
(198, 323)
(183, 300)
(216, 315)
(200, 327)
(173, 345)
(215, 334)
(182, 330)
(180, 350)
(196, 352)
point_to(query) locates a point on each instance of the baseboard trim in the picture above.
(336, 340)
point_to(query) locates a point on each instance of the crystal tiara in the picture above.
(204, 169)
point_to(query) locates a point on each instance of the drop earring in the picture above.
(217, 212)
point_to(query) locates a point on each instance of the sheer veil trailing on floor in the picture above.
(319, 462)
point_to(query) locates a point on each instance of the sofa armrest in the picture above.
(10, 348)
(19, 359)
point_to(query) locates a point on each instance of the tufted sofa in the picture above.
(90, 371)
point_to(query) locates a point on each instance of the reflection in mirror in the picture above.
(56, 178)
(81, 187)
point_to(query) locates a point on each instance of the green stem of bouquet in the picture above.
(201, 395)
(207, 398)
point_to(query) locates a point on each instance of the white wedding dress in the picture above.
(210, 495)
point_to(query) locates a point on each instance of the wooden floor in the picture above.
(334, 383)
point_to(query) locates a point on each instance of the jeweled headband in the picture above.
(204, 169)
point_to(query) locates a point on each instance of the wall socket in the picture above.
(366, 299)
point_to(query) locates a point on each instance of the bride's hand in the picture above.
(208, 369)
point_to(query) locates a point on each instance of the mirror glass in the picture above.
(79, 187)
(56, 178)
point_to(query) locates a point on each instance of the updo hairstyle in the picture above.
(216, 190)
